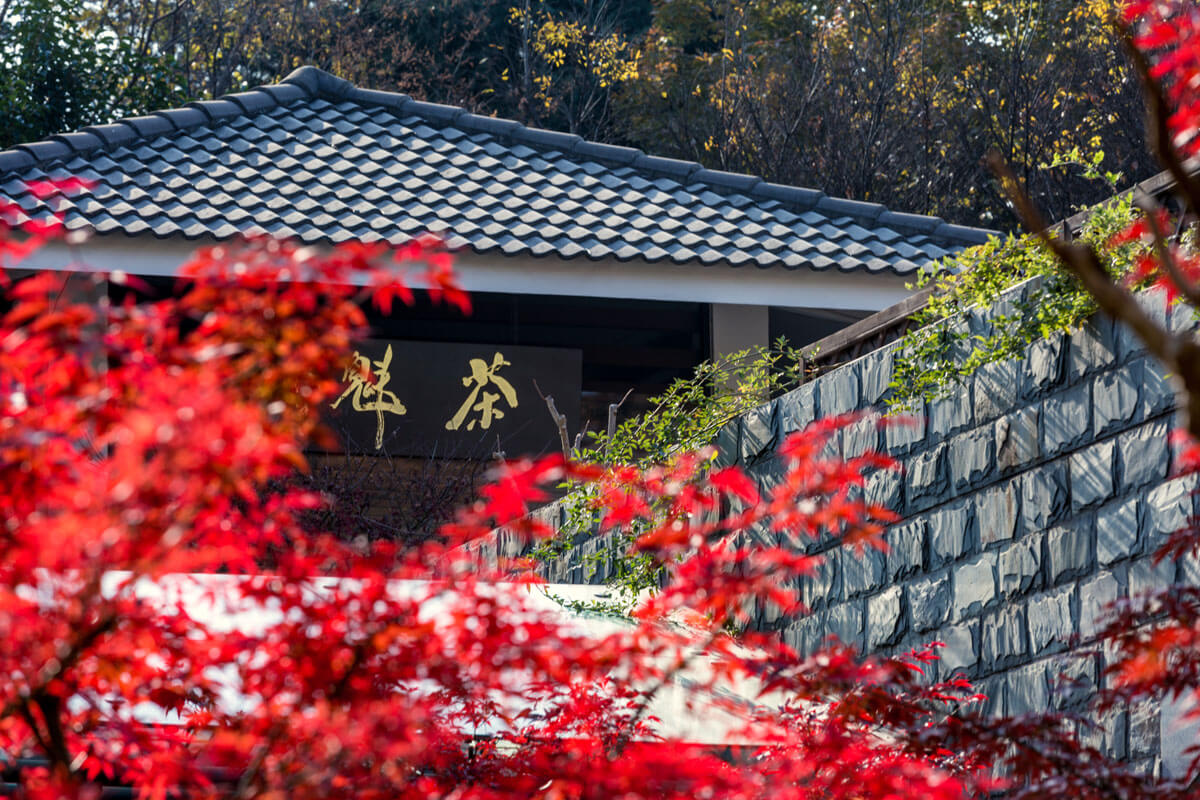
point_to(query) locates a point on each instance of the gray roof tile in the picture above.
(317, 158)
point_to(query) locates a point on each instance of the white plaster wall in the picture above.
(736, 327)
(745, 286)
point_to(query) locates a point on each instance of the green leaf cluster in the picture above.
(688, 414)
(972, 319)
(59, 72)
(685, 417)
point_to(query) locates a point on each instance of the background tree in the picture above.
(895, 102)
(549, 62)
(60, 72)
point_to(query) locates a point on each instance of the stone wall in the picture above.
(1031, 497)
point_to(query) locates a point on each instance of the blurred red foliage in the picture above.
(170, 626)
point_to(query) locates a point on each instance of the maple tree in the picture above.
(170, 625)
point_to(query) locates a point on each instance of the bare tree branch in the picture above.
(613, 408)
(560, 420)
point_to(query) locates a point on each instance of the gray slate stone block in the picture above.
(1146, 767)
(1072, 680)
(1044, 496)
(1117, 531)
(727, 443)
(928, 599)
(840, 391)
(798, 408)
(1168, 508)
(1005, 640)
(966, 326)
(1093, 475)
(995, 389)
(951, 414)
(863, 571)
(846, 622)
(861, 437)
(759, 428)
(597, 558)
(1066, 420)
(1028, 690)
(1019, 566)
(926, 478)
(877, 369)
(1069, 551)
(970, 458)
(1182, 318)
(768, 473)
(1187, 570)
(1154, 302)
(974, 585)
(1143, 729)
(1043, 367)
(885, 618)
(1179, 731)
(906, 431)
(1018, 440)
(996, 513)
(832, 449)
(807, 634)
(961, 651)
(1051, 620)
(1109, 734)
(1146, 576)
(1158, 387)
(1092, 348)
(824, 586)
(1143, 456)
(993, 690)
(1095, 596)
(885, 487)
(951, 533)
(760, 534)
(1116, 398)
(906, 547)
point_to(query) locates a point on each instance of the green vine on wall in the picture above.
(690, 412)
(685, 417)
(954, 337)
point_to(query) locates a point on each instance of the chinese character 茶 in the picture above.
(482, 376)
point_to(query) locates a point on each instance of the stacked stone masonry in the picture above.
(1031, 497)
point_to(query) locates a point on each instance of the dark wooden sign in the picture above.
(454, 400)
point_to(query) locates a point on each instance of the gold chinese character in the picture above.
(366, 390)
(481, 377)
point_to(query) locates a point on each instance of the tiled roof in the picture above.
(317, 158)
